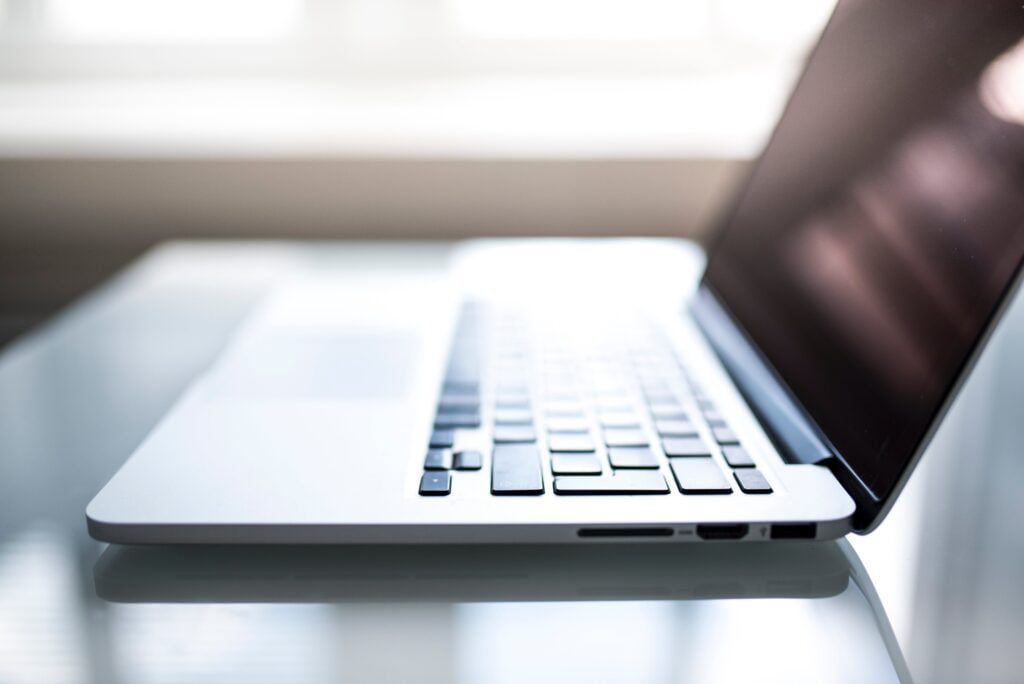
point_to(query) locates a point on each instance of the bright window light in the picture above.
(779, 21)
(580, 19)
(173, 21)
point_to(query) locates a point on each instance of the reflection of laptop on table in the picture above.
(468, 573)
(821, 587)
(567, 398)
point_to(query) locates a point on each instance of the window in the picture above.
(414, 37)
(171, 21)
(522, 77)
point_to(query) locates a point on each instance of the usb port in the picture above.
(795, 531)
(723, 530)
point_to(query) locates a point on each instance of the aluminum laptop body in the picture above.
(780, 385)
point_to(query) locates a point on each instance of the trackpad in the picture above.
(298, 365)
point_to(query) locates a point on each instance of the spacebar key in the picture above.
(650, 482)
(516, 470)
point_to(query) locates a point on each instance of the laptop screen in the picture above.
(884, 222)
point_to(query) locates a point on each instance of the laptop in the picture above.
(780, 386)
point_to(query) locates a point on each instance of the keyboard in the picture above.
(605, 405)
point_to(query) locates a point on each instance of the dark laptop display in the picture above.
(884, 223)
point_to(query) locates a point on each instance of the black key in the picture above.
(632, 457)
(705, 404)
(509, 416)
(437, 483)
(625, 438)
(512, 402)
(668, 412)
(650, 378)
(457, 420)
(442, 439)
(516, 470)
(567, 425)
(564, 409)
(608, 398)
(685, 446)
(468, 460)
(724, 435)
(460, 387)
(511, 434)
(570, 443)
(458, 404)
(675, 428)
(737, 456)
(437, 459)
(660, 398)
(714, 418)
(699, 476)
(575, 464)
(615, 405)
(561, 395)
(610, 392)
(619, 419)
(751, 481)
(623, 482)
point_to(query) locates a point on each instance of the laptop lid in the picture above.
(879, 234)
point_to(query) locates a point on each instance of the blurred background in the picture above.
(124, 123)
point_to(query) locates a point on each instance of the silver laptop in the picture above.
(575, 391)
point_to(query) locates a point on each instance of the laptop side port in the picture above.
(607, 532)
(722, 530)
(794, 531)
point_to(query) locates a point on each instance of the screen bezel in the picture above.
(708, 304)
(766, 385)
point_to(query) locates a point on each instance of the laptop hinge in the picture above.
(793, 434)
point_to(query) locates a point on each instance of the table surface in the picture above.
(933, 595)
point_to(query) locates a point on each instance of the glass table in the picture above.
(933, 595)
